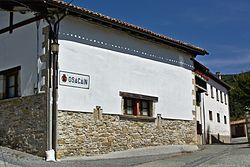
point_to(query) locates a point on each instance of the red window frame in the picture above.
(138, 108)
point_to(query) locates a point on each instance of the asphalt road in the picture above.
(211, 155)
(214, 155)
(235, 155)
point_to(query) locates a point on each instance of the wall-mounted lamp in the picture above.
(55, 47)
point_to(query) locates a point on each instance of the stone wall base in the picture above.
(82, 134)
(23, 124)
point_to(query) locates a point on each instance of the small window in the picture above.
(221, 96)
(217, 94)
(225, 98)
(212, 91)
(210, 115)
(198, 98)
(145, 109)
(138, 105)
(199, 128)
(128, 106)
(218, 117)
(225, 119)
(9, 83)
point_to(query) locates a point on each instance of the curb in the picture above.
(139, 152)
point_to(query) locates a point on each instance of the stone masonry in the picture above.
(23, 124)
(82, 134)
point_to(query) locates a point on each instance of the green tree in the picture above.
(239, 95)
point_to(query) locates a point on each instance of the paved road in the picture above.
(214, 155)
(235, 155)
(211, 155)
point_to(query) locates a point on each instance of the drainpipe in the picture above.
(54, 48)
(202, 141)
(204, 119)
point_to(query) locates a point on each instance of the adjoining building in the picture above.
(239, 128)
(212, 108)
(111, 86)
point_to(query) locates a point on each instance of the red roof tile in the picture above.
(242, 121)
(176, 43)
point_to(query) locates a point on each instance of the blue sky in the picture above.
(222, 27)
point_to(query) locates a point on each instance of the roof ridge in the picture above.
(129, 25)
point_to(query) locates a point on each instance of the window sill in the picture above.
(137, 118)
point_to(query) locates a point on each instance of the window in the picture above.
(199, 128)
(145, 109)
(128, 106)
(217, 94)
(138, 105)
(218, 117)
(225, 119)
(9, 83)
(221, 96)
(198, 98)
(210, 115)
(212, 91)
(225, 97)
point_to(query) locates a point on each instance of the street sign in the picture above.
(74, 80)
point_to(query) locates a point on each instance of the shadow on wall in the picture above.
(212, 139)
(216, 139)
(208, 135)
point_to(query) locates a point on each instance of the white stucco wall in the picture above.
(211, 104)
(117, 62)
(20, 49)
(114, 60)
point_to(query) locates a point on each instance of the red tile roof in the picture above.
(47, 6)
(205, 71)
(242, 121)
(100, 17)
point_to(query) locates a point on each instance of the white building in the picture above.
(132, 74)
(212, 107)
